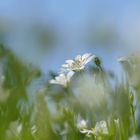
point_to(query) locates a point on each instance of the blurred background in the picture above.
(47, 32)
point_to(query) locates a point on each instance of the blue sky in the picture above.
(71, 21)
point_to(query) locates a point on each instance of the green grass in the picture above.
(53, 111)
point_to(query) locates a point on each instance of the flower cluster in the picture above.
(71, 66)
(78, 63)
(82, 126)
(99, 129)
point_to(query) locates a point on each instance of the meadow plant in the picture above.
(80, 103)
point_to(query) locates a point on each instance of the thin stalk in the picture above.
(133, 120)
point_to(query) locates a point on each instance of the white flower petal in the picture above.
(70, 74)
(82, 125)
(78, 63)
(69, 61)
(123, 59)
(62, 79)
(53, 82)
(85, 56)
(78, 57)
(84, 131)
(65, 65)
(89, 59)
(100, 127)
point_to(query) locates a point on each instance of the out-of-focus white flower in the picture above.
(134, 138)
(100, 128)
(78, 63)
(19, 128)
(15, 128)
(62, 79)
(116, 121)
(131, 65)
(89, 91)
(123, 59)
(87, 132)
(82, 125)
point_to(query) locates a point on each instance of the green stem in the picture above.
(133, 120)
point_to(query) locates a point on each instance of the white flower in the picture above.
(135, 137)
(87, 83)
(62, 79)
(100, 128)
(87, 132)
(19, 128)
(131, 66)
(14, 128)
(82, 125)
(78, 63)
(123, 59)
(116, 121)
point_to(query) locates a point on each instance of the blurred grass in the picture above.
(54, 110)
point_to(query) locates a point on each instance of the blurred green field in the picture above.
(93, 104)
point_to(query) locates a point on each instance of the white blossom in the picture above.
(135, 137)
(14, 128)
(100, 128)
(123, 59)
(82, 125)
(131, 66)
(62, 79)
(19, 128)
(87, 83)
(116, 121)
(78, 63)
(87, 132)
